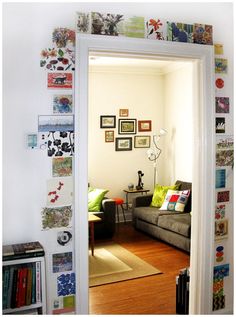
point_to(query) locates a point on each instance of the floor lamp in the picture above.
(154, 153)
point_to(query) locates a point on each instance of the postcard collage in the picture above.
(55, 136)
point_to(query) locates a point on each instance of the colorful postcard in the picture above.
(179, 32)
(61, 166)
(220, 212)
(66, 284)
(221, 65)
(62, 104)
(63, 37)
(220, 125)
(32, 141)
(218, 302)
(134, 26)
(222, 104)
(56, 217)
(60, 80)
(62, 262)
(83, 22)
(219, 82)
(59, 191)
(225, 151)
(106, 24)
(223, 196)
(219, 255)
(64, 237)
(69, 301)
(203, 34)
(221, 271)
(60, 144)
(219, 49)
(62, 59)
(221, 178)
(221, 229)
(155, 29)
(52, 123)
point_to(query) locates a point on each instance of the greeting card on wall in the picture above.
(225, 151)
(62, 59)
(179, 32)
(62, 104)
(155, 29)
(61, 166)
(221, 65)
(221, 229)
(222, 104)
(106, 23)
(56, 217)
(53, 123)
(63, 37)
(62, 262)
(220, 125)
(220, 211)
(83, 24)
(61, 144)
(220, 178)
(59, 191)
(134, 26)
(203, 34)
(60, 80)
(219, 49)
(219, 256)
(66, 284)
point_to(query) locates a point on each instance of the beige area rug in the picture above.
(112, 263)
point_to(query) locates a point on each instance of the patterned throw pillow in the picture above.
(175, 200)
(160, 194)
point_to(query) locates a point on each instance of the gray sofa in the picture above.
(171, 227)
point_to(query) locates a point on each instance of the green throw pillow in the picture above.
(95, 197)
(160, 194)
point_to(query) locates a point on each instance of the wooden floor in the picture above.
(148, 295)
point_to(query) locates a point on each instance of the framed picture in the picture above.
(107, 122)
(109, 136)
(142, 141)
(144, 125)
(124, 112)
(127, 126)
(123, 144)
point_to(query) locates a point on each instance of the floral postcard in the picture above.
(179, 32)
(53, 123)
(220, 212)
(59, 191)
(62, 104)
(83, 22)
(63, 37)
(106, 23)
(222, 104)
(66, 284)
(61, 166)
(60, 80)
(56, 217)
(62, 262)
(203, 34)
(54, 59)
(221, 65)
(155, 29)
(225, 151)
(60, 144)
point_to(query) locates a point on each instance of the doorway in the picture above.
(203, 176)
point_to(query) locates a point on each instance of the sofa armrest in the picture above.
(141, 201)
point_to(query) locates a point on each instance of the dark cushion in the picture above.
(179, 223)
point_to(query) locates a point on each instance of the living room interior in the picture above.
(156, 90)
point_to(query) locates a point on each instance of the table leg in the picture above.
(92, 237)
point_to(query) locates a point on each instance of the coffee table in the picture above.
(92, 219)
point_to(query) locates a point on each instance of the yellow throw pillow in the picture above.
(95, 197)
(160, 194)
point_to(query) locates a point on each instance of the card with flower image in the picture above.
(203, 34)
(58, 59)
(179, 32)
(155, 28)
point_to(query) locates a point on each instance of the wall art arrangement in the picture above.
(224, 172)
(57, 137)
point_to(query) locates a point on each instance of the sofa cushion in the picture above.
(179, 223)
(185, 186)
(150, 214)
(95, 197)
(160, 193)
(175, 200)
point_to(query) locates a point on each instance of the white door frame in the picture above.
(202, 229)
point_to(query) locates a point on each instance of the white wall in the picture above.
(178, 143)
(108, 92)
(27, 29)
